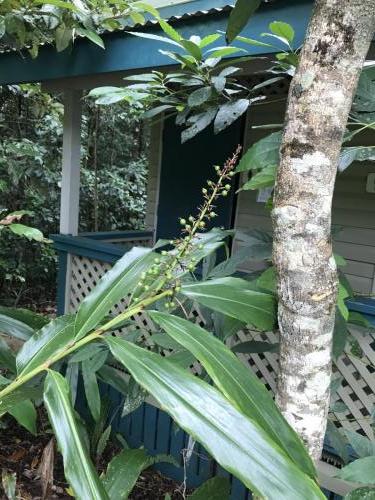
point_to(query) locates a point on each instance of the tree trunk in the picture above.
(319, 102)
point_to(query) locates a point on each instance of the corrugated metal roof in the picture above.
(170, 10)
(173, 11)
(128, 53)
(167, 13)
(181, 10)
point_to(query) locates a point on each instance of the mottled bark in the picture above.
(319, 102)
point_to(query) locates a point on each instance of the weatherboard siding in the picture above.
(153, 179)
(353, 210)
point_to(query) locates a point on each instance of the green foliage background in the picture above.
(113, 180)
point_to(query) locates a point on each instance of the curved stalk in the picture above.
(166, 287)
(70, 348)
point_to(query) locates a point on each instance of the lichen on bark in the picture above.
(320, 97)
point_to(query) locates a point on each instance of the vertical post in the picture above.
(69, 211)
(70, 184)
(153, 182)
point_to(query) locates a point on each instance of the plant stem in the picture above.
(202, 215)
(70, 348)
(155, 294)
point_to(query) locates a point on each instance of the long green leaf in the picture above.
(235, 441)
(25, 414)
(15, 328)
(9, 483)
(283, 30)
(115, 378)
(264, 152)
(78, 467)
(58, 3)
(363, 446)
(356, 153)
(232, 296)
(255, 346)
(265, 178)
(239, 17)
(359, 471)
(229, 113)
(216, 488)
(113, 286)
(365, 493)
(45, 343)
(30, 233)
(7, 357)
(91, 389)
(124, 470)
(158, 38)
(170, 31)
(92, 35)
(239, 384)
(32, 319)
(8, 402)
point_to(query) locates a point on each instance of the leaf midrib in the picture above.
(264, 311)
(229, 374)
(77, 441)
(218, 429)
(106, 301)
(47, 343)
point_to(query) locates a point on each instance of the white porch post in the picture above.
(70, 183)
(69, 211)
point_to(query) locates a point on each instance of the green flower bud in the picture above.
(146, 287)
(191, 218)
(191, 267)
(212, 214)
(204, 190)
(200, 246)
(178, 289)
(143, 276)
(182, 222)
(157, 261)
(171, 242)
(217, 168)
(164, 252)
(227, 187)
(170, 293)
(187, 227)
(202, 223)
(172, 304)
(167, 305)
(224, 193)
(231, 174)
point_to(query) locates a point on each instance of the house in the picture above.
(84, 258)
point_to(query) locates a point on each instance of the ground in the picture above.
(21, 452)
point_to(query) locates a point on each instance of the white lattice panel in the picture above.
(85, 275)
(357, 391)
